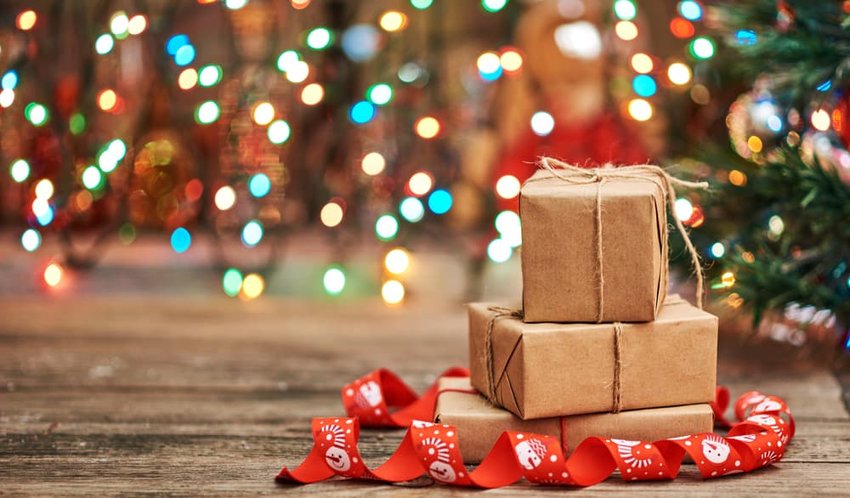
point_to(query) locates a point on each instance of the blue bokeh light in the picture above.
(644, 85)
(362, 112)
(259, 185)
(440, 201)
(181, 240)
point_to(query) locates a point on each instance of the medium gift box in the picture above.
(594, 248)
(540, 370)
(480, 424)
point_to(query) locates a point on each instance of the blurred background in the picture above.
(340, 151)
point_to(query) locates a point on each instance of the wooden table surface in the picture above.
(206, 395)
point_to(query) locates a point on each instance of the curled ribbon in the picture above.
(758, 440)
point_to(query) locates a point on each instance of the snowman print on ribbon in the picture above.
(336, 456)
(768, 405)
(440, 469)
(631, 453)
(369, 395)
(530, 453)
(715, 449)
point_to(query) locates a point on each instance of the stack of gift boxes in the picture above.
(597, 348)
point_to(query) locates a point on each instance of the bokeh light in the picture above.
(187, 79)
(511, 60)
(642, 63)
(107, 100)
(509, 226)
(44, 189)
(702, 47)
(19, 170)
(440, 201)
(380, 94)
(331, 214)
(373, 163)
(411, 209)
(626, 30)
(181, 240)
(312, 94)
(679, 73)
(362, 112)
(92, 178)
(508, 187)
(137, 24)
(640, 110)
(683, 209)
(644, 85)
(625, 10)
(298, 72)
(420, 183)
(36, 114)
(263, 113)
(26, 20)
(53, 274)
(279, 132)
(184, 55)
(427, 127)
(252, 233)
(319, 38)
(690, 10)
(119, 25)
(104, 44)
(717, 250)
(421, 4)
(386, 227)
(392, 21)
(392, 292)
(286, 59)
(493, 5)
(30, 239)
(225, 198)
(821, 120)
(682, 28)
(397, 261)
(542, 123)
(259, 185)
(499, 251)
(231, 282)
(253, 286)
(210, 75)
(208, 112)
(334, 280)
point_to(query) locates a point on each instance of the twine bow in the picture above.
(582, 176)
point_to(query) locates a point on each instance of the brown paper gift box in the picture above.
(549, 370)
(480, 424)
(560, 264)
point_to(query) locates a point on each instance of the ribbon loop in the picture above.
(433, 449)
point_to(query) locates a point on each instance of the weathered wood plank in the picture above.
(118, 394)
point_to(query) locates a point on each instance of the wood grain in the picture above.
(115, 394)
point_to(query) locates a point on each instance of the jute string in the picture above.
(582, 176)
(501, 311)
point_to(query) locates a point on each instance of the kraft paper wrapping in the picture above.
(560, 263)
(480, 424)
(549, 370)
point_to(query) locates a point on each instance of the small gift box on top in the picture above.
(594, 244)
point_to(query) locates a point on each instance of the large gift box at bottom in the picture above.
(538, 370)
(479, 424)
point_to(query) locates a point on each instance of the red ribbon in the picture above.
(381, 399)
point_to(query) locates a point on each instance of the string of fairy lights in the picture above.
(423, 193)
